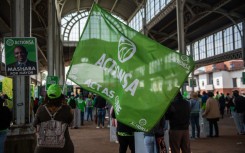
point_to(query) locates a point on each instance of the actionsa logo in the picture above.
(10, 42)
(126, 49)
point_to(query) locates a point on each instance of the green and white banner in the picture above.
(51, 80)
(139, 76)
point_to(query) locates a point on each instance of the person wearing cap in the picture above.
(55, 105)
(5, 120)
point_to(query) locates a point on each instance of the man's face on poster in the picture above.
(20, 54)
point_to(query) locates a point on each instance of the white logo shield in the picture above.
(126, 49)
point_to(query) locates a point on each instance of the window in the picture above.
(202, 83)
(188, 50)
(213, 67)
(231, 66)
(234, 82)
(210, 78)
(73, 25)
(195, 51)
(210, 45)
(136, 23)
(218, 43)
(237, 36)
(217, 82)
(202, 49)
(228, 39)
(153, 7)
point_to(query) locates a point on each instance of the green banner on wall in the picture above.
(21, 56)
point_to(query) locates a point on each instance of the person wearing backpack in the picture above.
(51, 123)
(72, 101)
(89, 106)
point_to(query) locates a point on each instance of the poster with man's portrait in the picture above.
(21, 56)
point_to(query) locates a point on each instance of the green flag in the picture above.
(139, 76)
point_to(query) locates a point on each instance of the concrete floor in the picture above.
(88, 139)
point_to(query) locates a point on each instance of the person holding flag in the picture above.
(132, 71)
(125, 135)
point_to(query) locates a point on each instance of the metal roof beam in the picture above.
(78, 5)
(4, 25)
(114, 5)
(217, 6)
(59, 4)
(230, 13)
(139, 6)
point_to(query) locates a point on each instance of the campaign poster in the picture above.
(21, 56)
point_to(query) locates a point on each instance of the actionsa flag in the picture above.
(137, 75)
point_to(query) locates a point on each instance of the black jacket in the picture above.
(239, 104)
(178, 114)
(100, 102)
(5, 117)
(122, 127)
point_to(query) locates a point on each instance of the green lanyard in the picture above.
(124, 134)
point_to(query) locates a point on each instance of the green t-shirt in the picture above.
(81, 104)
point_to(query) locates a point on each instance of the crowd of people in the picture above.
(93, 106)
(184, 112)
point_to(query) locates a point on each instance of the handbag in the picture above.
(161, 146)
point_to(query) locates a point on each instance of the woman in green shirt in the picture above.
(81, 106)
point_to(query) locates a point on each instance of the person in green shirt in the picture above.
(72, 101)
(81, 106)
(217, 96)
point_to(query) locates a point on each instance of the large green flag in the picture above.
(139, 76)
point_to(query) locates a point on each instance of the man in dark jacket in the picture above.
(100, 104)
(5, 119)
(222, 105)
(239, 102)
(178, 115)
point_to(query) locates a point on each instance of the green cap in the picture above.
(54, 91)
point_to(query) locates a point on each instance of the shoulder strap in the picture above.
(52, 116)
